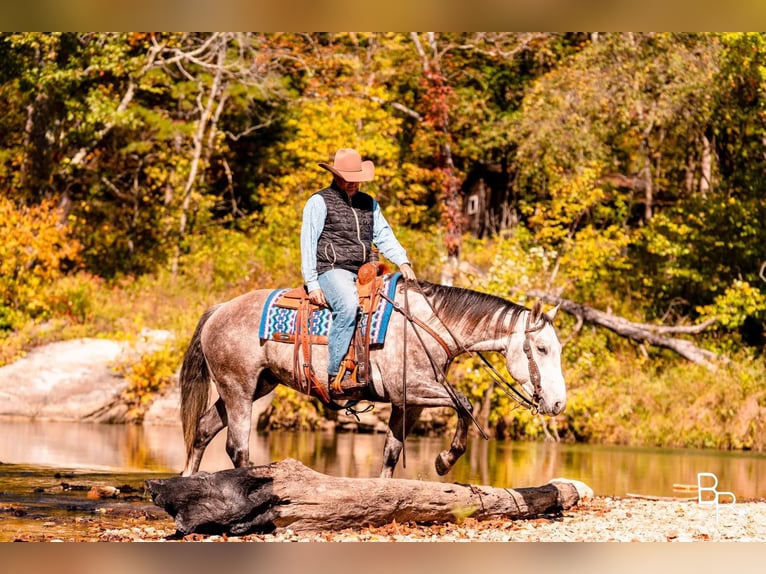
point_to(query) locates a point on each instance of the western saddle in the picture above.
(369, 283)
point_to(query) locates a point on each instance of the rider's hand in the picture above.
(317, 297)
(407, 272)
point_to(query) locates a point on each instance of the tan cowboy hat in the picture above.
(348, 165)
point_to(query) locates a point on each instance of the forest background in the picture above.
(147, 176)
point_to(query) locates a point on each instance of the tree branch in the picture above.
(130, 91)
(397, 106)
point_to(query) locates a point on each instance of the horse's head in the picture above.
(533, 359)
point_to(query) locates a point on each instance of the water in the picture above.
(609, 471)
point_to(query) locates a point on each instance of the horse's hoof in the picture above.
(441, 464)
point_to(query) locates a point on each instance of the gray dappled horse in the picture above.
(227, 351)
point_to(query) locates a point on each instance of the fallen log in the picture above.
(639, 332)
(288, 495)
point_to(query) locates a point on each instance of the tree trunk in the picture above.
(706, 177)
(288, 495)
(439, 93)
(206, 116)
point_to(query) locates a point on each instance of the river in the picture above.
(608, 470)
(30, 453)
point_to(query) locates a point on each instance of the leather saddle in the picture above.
(369, 283)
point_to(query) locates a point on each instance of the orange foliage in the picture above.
(34, 247)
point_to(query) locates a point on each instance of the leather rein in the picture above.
(507, 387)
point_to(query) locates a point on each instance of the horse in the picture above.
(432, 325)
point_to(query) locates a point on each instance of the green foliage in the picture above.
(695, 252)
(148, 176)
(672, 406)
(738, 118)
(739, 301)
(292, 410)
(235, 261)
(75, 297)
(518, 266)
(147, 378)
(425, 250)
(317, 129)
(581, 231)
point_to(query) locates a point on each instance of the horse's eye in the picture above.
(542, 350)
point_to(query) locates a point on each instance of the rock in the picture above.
(166, 408)
(72, 380)
(67, 380)
(103, 492)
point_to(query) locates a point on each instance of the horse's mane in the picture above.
(472, 310)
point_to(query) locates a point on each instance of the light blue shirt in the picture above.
(314, 214)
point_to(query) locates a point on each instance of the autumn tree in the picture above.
(628, 106)
(75, 90)
(338, 104)
(35, 251)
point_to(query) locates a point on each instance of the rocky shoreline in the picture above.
(599, 519)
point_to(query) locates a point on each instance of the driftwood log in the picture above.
(288, 495)
(641, 332)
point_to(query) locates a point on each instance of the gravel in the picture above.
(599, 519)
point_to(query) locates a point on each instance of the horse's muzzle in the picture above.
(554, 408)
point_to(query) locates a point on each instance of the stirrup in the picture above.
(336, 385)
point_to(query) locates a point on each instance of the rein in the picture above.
(507, 387)
(440, 373)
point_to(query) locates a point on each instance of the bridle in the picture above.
(509, 388)
(534, 370)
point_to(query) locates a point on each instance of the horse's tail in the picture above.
(194, 380)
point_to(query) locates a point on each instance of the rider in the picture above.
(340, 224)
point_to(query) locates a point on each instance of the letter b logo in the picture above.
(709, 496)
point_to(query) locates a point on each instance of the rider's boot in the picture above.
(344, 383)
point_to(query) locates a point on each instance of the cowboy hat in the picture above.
(348, 165)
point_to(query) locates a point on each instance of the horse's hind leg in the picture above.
(209, 425)
(239, 408)
(238, 436)
(446, 459)
(395, 437)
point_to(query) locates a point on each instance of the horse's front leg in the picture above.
(446, 459)
(396, 436)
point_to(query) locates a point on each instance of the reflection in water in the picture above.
(608, 470)
(80, 445)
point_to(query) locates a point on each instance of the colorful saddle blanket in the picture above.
(276, 322)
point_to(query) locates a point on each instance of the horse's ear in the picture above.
(537, 310)
(552, 313)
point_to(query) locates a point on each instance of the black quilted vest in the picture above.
(346, 239)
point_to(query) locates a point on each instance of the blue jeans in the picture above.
(339, 288)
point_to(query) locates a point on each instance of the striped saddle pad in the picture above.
(277, 323)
